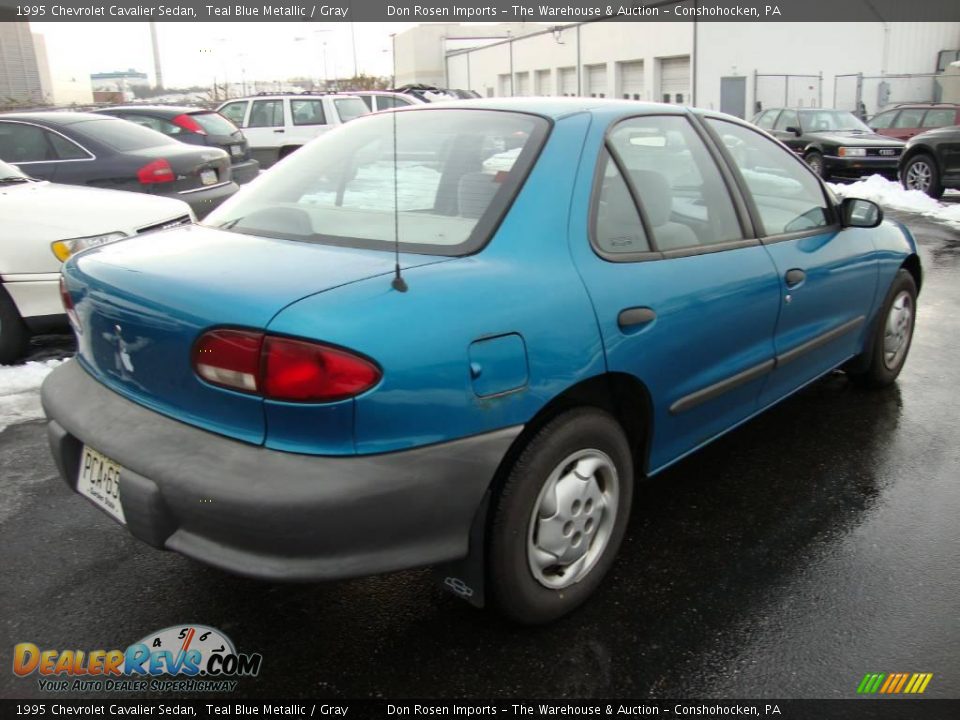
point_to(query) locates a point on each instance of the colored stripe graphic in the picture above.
(894, 683)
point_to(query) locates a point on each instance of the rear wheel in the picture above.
(560, 516)
(14, 335)
(815, 161)
(893, 334)
(920, 173)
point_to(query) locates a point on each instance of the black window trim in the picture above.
(833, 226)
(55, 132)
(741, 209)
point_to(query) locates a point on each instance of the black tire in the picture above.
(14, 335)
(875, 369)
(287, 150)
(918, 167)
(514, 590)
(815, 160)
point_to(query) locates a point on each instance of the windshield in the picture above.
(449, 174)
(820, 120)
(350, 108)
(9, 171)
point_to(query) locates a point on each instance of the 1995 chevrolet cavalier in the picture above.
(584, 292)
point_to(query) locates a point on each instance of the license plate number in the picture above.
(208, 177)
(236, 150)
(99, 481)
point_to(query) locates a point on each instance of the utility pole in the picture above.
(157, 70)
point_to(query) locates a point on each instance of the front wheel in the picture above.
(920, 173)
(14, 335)
(815, 161)
(893, 334)
(560, 516)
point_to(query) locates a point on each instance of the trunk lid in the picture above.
(143, 302)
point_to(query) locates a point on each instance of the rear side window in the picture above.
(234, 112)
(617, 224)
(214, 123)
(266, 113)
(681, 192)
(883, 121)
(909, 119)
(308, 112)
(787, 196)
(940, 118)
(386, 101)
(121, 135)
(67, 149)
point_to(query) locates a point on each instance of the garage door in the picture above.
(542, 83)
(567, 81)
(631, 80)
(504, 86)
(596, 80)
(675, 79)
(522, 86)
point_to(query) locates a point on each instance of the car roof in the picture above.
(556, 107)
(54, 117)
(171, 110)
(277, 96)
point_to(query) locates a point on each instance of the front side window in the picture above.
(883, 120)
(437, 181)
(786, 194)
(788, 119)
(350, 108)
(24, 143)
(234, 112)
(308, 112)
(766, 119)
(940, 118)
(679, 187)
(831, 120)
(266, 113)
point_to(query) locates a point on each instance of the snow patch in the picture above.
(892, 195)
(20, 391)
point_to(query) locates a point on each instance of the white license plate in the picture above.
(208, 177)
(100, 482)
(236, 150)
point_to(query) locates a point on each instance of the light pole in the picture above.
(323, 51)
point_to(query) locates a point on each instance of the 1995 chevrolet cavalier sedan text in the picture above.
(583, 292)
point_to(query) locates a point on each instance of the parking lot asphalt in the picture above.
(817, 543)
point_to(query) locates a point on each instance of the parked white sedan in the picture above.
(41, 225)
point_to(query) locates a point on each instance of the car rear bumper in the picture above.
(203, 200)
(858, 167)
(270, 514)
(244, 171)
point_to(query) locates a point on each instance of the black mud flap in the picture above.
(466, 577)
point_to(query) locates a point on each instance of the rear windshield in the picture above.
(350, 108)
(214, 123)
(121, 135)
(437, 180)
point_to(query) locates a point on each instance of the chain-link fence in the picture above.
(868, 95)
(775, 90)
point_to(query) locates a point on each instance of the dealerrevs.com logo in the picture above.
(181, 658)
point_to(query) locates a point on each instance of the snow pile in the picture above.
(893, 196)
(19, 391)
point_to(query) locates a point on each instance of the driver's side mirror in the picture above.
(857, 212)
(795, 130)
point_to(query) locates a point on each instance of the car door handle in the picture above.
(631, 317)
(279, 131)
(794, 277)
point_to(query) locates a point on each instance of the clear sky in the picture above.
(195, 53)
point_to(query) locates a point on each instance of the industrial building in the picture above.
(19, 70)
(735, 67)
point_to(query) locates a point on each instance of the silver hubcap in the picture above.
(573, 519)
(896, 336)
(919, 176)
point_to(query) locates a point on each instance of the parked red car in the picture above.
(905, 121)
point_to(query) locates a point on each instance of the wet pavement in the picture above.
(817, 543)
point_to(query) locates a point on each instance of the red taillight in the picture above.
(188, 123)
(158, 171)
(68, 305)
(230, 358)
(281, 368)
